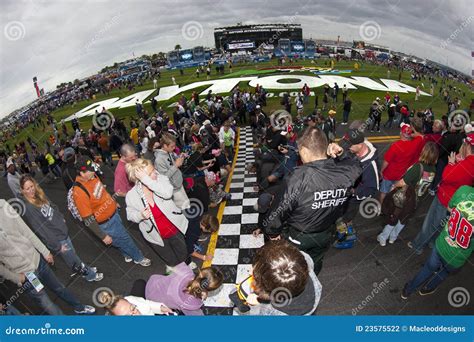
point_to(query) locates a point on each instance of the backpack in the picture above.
(71, 205)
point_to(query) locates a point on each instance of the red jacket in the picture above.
(454, 176)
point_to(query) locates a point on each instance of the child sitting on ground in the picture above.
(209, 224)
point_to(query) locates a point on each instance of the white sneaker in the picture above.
(193, 265)
(88, 310)
(98, 277)
(128, 259)
(391, 241)
(381, 241)
(144, 262)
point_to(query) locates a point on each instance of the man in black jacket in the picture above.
(314, 195)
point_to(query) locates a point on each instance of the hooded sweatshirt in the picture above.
(164, 164)
(20, 249)
(303, 304)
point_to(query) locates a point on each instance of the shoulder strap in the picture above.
(80, 185)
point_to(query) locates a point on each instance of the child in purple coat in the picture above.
(182, 290)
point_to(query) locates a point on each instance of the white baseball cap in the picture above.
(10, 162)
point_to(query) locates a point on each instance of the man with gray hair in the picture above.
(122, 184)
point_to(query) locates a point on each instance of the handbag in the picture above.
(399, 197)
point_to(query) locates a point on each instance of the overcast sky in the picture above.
(59, 41)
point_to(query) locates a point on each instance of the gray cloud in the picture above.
(69, 39)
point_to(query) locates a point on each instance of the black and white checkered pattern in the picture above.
(236, 246)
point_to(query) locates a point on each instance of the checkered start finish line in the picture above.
(236, 246)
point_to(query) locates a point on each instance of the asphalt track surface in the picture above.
(364, 280)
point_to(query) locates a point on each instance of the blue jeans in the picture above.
(73, 261)
(391, 232)
(431, 225)
(121, 239)
(49, 280)
(435, 269)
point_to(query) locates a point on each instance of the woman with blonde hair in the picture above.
(150, 204)
(131, 305)
(182, 290)
(48, 223)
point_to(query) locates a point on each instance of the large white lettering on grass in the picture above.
(222, 86)
(115, 102)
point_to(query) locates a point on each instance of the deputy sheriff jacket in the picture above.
(313, 197)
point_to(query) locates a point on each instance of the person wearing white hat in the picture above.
(13, 177)
(468, 128)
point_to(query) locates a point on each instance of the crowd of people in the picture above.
(171, 171)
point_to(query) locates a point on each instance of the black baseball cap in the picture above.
(355, 136)
(85, 164)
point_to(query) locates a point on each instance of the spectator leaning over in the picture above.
(100, 213)
(24, 259)
(168, 165)
(150, 204)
